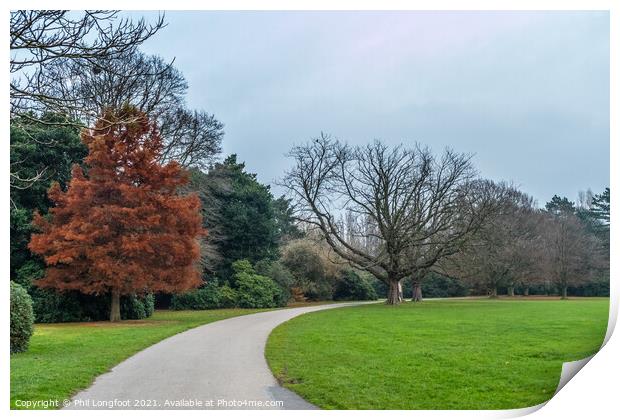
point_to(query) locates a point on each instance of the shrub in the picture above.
(228, 297)
(281, 275)
(312, 269)
(350, 286)
(206, 297)
(439, 286)
(254, 290)
(136, 307)
(22, 318)
(209, 296)
(71, 306)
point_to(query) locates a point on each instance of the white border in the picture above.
(594, 390)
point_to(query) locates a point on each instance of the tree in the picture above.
(594, 213)
(45, 152)
(570, 252)
(506, 250)
(412, 209)
(41, 38)
(155, 87)
(247, 223)
(313, 272)
(121, 227)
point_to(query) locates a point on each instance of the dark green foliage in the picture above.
(37, 148)
(600, 207)
(241, 216)
(285, 222)
(560, 205)
(254, 290)
(211, 296)
(276, 271)
(597, 287)
(228, 297)
(135, 307)
(435, 285)
(248, 225)
(51, 306)
(596, 217)
(351, 286)
(22, 318)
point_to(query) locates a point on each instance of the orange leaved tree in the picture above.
(121, 227)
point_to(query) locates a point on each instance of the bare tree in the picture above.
(155, 87)
(571, 255)
(192, 138)
(421, 208)
(93, 85)
(40, 38)
(506, 250)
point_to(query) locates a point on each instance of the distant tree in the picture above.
(560, 206)
(121, 227)
(570, 255)
(505, 250)
(413, 209)
(594, 212)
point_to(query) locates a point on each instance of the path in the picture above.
(218, 365)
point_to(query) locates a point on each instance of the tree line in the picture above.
(141, 204)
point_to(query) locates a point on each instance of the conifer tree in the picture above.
(121, 226)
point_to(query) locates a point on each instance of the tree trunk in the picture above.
(416, 288)
(511, 290)
(115, 306)
(564, 292)
(493, 294)
(526, 291)
(394, 293)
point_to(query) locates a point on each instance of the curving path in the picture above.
(216, 366)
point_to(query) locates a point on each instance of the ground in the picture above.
(463, 354)
(64, 358)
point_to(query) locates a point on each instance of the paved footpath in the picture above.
(216, 366)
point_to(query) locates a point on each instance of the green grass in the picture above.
(452, 354)
(64, 358)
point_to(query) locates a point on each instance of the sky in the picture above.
(526, 92)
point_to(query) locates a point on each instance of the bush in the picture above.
(350, 286)
(71, 306)
(281, 275)
(439, 286)
(22, 318)
(228, 297)
(136, 307)
(209, 296)
(254, 290)
(314, 274)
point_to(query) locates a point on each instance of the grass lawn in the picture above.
(451, 354)
(64, 358)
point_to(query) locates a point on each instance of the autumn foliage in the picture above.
(121, 227)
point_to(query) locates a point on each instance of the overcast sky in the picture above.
(527, 92)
